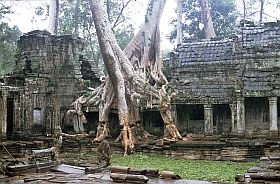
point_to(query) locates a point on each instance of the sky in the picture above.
(24, 16)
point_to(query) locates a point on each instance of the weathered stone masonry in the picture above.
(230, 85)
(8, 97)
(49, 79)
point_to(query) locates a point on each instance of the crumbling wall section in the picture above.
(48, 70)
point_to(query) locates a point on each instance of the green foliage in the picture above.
(8, 38)
(223, 12)
(187, 169)
(87, 83)
(76, 19)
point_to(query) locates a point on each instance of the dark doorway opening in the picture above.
(221, 119)
(114, 125)
(153, 123)
(10, 117)
(92, 121)
(190, 118)
(257, 114)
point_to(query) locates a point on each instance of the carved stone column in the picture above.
(208, 119)
(233, 117)
(273, 113)
(240, 116)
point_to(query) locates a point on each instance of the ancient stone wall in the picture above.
(9, 96)
(48, 71)
(241, 72)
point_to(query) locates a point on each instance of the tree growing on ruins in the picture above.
(179, 22)
(75, 18)
(223, 13)
(53, 16)
(209, 31)
(134, 75)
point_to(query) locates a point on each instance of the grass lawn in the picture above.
(222, 171)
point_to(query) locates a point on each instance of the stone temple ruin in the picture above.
(228, 93)
(231, 85)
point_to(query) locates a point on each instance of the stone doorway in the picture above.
(221, 119)
(10, 117)
(190, 118)
(257, 114)
(153, 123)
(92, 121)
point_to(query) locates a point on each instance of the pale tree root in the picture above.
(102, 131)
(138, 132)
(128, 140)
(173, 133)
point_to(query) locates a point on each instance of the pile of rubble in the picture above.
(267, 171)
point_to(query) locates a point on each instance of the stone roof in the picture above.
(215, 69)
(205, 51)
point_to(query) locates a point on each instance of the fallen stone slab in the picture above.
(21, 172)
(265, 176)
(169, 175)
(153, 173)
(128, 178)
(69, 169)
(119, 169)
(20, 167)
(92, 170)
(137, 171)
(40, 178)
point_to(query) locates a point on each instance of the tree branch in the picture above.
(120, 13)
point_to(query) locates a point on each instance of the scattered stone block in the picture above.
(91, 170)
(169, 175)
(153, 173)
(239, 178)
(128, 178)
(137, 171)
(119, 169)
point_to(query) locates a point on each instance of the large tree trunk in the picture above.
(207, 19)
(261, 11)
(53, 16)
(179, 22)
(76, 18)
(129, 74)
(244, 9)
(113, 58)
